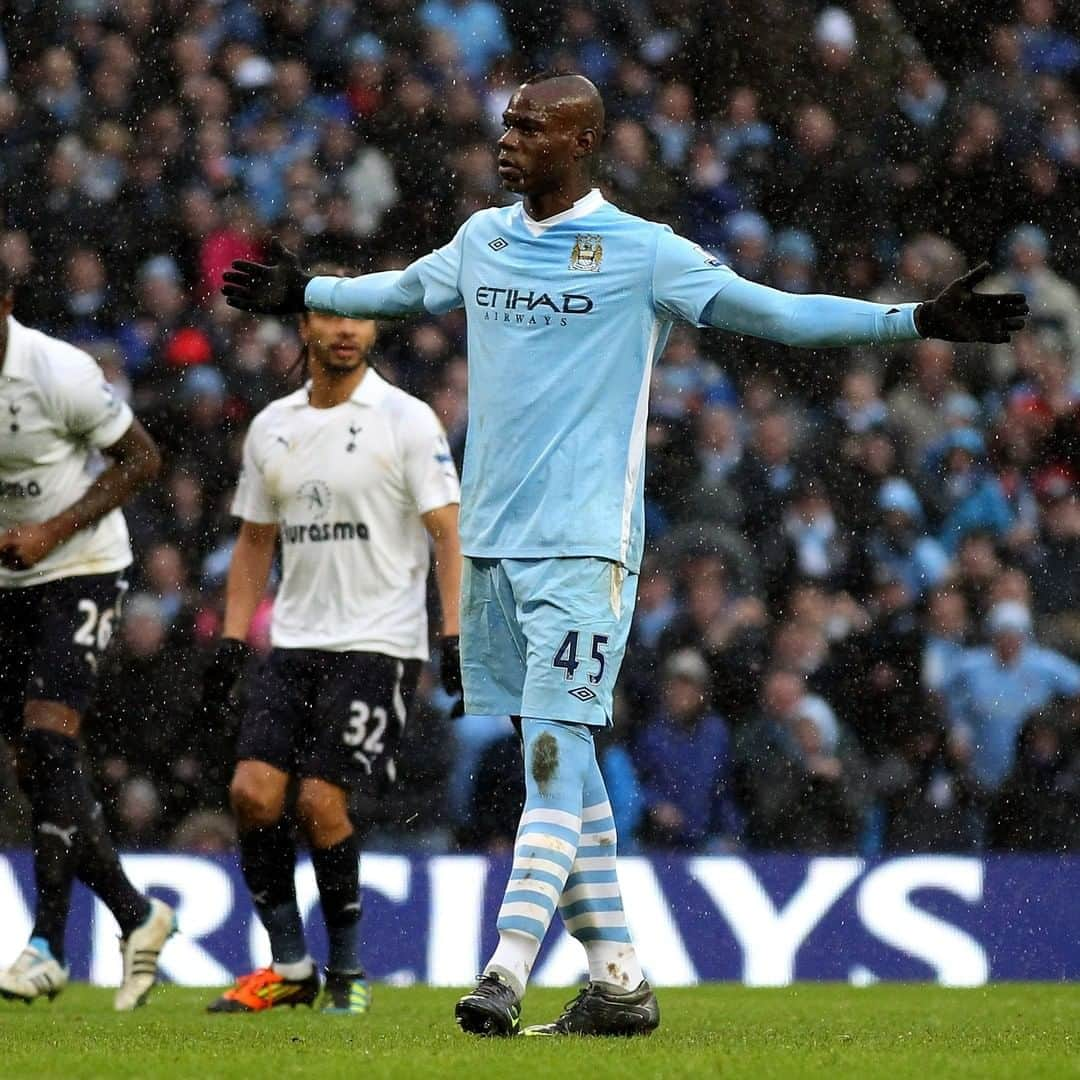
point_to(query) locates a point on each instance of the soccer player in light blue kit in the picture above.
(569, 302)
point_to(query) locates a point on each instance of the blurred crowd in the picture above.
(858, 622)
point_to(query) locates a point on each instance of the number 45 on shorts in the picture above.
(566, 657)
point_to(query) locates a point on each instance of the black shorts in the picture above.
(52, 637)
(334, 716)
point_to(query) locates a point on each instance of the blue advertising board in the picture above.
(760, 920)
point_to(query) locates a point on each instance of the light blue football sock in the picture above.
(557, 761)
(591, 904)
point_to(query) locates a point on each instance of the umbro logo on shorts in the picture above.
(498, 244)
(582, 693)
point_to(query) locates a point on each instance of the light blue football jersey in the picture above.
(565, 320)
(563, 330)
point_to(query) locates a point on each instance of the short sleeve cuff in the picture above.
(113, 429)
(242, 509)
(436, 501)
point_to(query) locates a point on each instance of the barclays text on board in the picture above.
(764, 921)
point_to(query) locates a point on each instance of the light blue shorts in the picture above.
(544, 637)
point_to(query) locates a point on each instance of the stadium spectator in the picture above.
(143, 723)
(946, 629)
(1055, 302)
(768, 475)
(726, 627)
(477, 27)
(929, 797)
(1055, 566)
(918, 407)
(683, 759)
(996, 688)
(965, 494)
(898, 545)
(800, 779)
(1037, 805)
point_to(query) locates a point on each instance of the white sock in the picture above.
(614, 962)
(297, 970)
(513, 959)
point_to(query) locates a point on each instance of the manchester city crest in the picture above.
(587, 253)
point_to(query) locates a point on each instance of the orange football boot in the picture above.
(266, 989)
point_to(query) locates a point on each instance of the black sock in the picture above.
(337, 872)
(268, 860)
(100, 870)
(71, 838)
(48, 764)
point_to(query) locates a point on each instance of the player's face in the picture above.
(538, 145)
(339, 345)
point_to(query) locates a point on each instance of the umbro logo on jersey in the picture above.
(708, 256)
(582, 693)
(498, 244)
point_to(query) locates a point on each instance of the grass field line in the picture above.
(806, 1030)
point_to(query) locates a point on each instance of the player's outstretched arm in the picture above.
(958, 314)
(282, 288)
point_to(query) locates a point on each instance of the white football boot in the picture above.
(140, 950)
(36, 973)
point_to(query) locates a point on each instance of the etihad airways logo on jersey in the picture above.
(527, 307)
(322, 532)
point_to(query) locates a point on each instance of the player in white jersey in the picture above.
(569, 301)
(352, 475)
(63, 550)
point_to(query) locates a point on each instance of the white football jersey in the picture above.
(56, 412)
(347, 487)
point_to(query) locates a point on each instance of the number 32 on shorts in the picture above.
(566, 657)
(365, 732)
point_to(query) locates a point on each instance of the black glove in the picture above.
(277, 289)
(961, 314)
(221, 677)
(450, 672)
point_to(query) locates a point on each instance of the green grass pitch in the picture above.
(1009, 1030)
